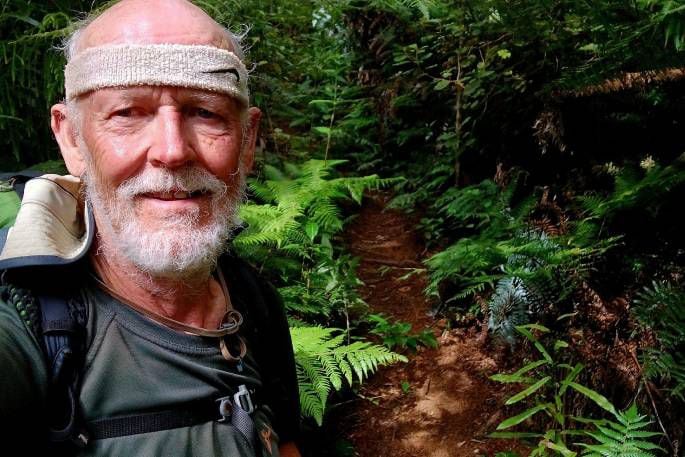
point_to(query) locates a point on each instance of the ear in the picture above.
(254, 114)
(65, 133)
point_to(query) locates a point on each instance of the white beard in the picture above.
(180, 247)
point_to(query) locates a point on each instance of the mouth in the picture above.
(174, 195)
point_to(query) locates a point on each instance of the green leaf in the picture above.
(323, 130)
(524, 330)
(528, 391)
(9, 206)
(598, 398)
(311, 228)
(442, 84)
(518, 375)
(559, 344)
(570, 377)
(523, 416)
(503, 54)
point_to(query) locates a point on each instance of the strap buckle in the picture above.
(243, 399)
(225, 408)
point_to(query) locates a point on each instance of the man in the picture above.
(157, 126)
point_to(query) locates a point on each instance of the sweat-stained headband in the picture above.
(192, 66)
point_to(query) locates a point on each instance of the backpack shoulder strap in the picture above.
(58, 323)
(266, 329)
(63, 327)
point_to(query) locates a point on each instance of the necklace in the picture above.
(230, 323)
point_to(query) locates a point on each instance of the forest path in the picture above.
(449, 405)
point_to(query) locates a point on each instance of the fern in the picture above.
(637, 189)
(508, 307)
(403, 6)
(304, 195)
(625, 438)
(325, 364)
(661, 308)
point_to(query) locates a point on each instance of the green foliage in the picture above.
(500, 249)
(290, 234)
(324, 363)
(32, 76)
(661, 309)
(472, 260)
(627, 437)
(550, 381)
(508, 308)
(644, 189)
(398, 334)
(299, 205)
(9, 205)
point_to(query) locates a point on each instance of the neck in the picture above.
(196, 300)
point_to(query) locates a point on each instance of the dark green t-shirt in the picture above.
(133, 364)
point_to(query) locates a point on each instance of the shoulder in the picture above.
(246, 285)
(268, 331)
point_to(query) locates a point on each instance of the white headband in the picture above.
(193, 66)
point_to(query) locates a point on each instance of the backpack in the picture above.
(58, 321)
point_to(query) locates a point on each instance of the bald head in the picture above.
(152, 22)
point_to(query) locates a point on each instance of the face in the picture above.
(164, 173)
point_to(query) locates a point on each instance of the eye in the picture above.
(205, 113)
(128, 112)
(125, 112)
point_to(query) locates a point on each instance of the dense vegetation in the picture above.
(538, 141)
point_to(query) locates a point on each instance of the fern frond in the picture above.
(661, 308)
(508, 307)
(624, 438)
(323, 361)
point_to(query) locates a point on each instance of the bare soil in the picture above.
(448, 405)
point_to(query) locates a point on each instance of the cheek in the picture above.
(220, 155)
(115, 157)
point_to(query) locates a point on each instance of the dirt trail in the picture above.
(450, 404)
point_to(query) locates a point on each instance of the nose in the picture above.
(170, 147)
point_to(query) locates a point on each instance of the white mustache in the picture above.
(162, 180)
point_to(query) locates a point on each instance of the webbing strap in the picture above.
(182, 415)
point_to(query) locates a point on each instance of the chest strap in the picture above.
(225, 409)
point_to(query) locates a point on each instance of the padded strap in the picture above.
(63, 342)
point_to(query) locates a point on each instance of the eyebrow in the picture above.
(205, 97)
(184, 96)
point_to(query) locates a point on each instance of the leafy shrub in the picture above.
(398, 334)
(290, 233)
(323, 362)
(549, 382)
(504, 251)
(661, 308)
